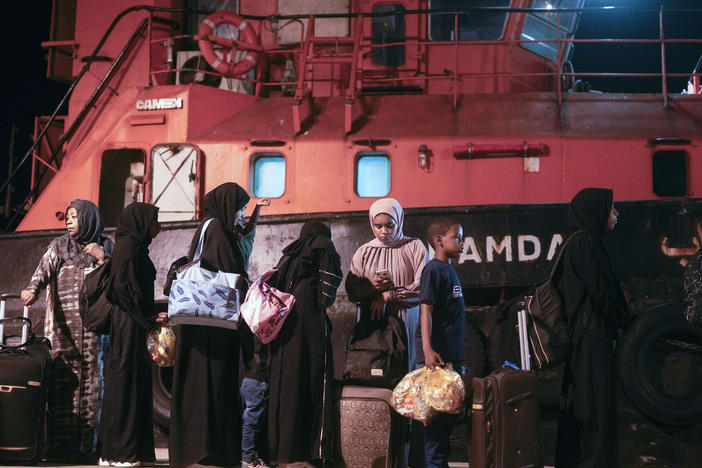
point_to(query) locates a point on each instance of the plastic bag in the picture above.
(408, 397)
(444, 390)
(161, 345)
(424, 392)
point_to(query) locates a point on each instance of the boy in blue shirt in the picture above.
(442, 320)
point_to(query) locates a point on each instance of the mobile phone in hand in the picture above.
(383, 274)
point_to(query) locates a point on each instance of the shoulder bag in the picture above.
(200, 296)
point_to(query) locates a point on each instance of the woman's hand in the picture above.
(263, 202)
(378, 305)
(95, 250)
(382, 284)
(28, 297)
(162, 318)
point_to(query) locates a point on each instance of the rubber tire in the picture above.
(162, 380)
(641, 366)
(476, 356)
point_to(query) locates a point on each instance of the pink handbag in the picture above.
(265, 308)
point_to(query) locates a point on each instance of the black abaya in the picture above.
(595, 308)
(126, 425)
(301, 372)
(205, 424)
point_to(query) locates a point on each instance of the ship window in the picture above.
(372, 174)
(544, 26)
(472, 26)
(670, 173)
(267, 178)
(386, 30)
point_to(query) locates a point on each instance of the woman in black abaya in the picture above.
(301, 372)
(205, 423)
(595, 308)
(126, 426)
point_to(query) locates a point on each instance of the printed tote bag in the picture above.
(200, 296)
(266, 308)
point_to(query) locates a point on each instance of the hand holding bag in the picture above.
(200, 296)
(265, 308)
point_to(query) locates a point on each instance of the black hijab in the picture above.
(590, 210)
(90, 227)
(132, 274)
(299, 259)
(90, 224)
(135, 224)
(224, 201)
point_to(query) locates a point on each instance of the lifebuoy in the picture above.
(246, 35)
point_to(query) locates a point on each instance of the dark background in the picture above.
(27, 93)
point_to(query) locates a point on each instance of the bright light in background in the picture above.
(549, 6)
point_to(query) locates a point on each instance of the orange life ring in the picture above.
(246, 35)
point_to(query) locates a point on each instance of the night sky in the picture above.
(28, 93)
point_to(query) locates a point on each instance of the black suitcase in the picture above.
(373, 434)
(24, 364)
(505, 416)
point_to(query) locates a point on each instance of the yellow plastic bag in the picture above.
(408, 397)
(161, 344)
(424, 392)
(444, 390)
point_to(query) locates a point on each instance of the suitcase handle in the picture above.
(26, 328)
(27, 334)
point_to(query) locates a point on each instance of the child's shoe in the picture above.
(260, 464)
(251, 464)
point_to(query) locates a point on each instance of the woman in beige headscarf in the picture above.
(403, 258)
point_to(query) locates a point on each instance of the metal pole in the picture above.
(664, 78)
(10, 161)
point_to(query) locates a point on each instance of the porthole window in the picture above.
(372, 174)
(670, 173)
(267, 176)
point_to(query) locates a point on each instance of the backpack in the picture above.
(546, 328)
(94, 308)
(376, 353)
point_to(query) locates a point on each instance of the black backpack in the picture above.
(95, 310)
(548, 334)
(376, 354)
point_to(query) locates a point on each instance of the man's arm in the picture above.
(431, 357)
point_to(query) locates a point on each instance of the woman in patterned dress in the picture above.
(75, 389)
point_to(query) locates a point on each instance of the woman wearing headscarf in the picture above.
(126, 426)
(205, 426)
(301, 366)
(404, 259)
(595, 309)
(75, 388)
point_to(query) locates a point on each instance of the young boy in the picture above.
(443, 319)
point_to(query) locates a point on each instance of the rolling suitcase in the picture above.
(24, 367)
(373, 434)
(505, 415)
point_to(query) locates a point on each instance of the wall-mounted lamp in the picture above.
(423, 157)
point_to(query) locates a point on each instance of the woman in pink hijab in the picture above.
(385, 271)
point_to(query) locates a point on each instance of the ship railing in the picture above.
(40, 166)
(559, 70)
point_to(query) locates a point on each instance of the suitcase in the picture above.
(24, 364)
(373, 434)
(505, 415)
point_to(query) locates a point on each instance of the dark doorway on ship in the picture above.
(121, 181)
